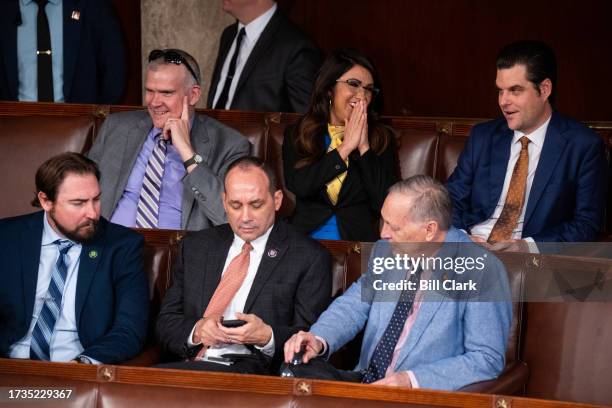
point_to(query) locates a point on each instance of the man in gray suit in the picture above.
(164, 168)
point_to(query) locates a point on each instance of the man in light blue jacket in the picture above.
(436, 308)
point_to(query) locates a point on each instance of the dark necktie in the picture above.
(515, 199)
(230, 72)
(51, 310)
(43, 46)
(383, 353)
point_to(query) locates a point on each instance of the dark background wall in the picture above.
(437, 57)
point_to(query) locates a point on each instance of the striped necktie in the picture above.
(51, 310)
(147, 215)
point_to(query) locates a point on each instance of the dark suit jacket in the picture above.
(568, 194)
(289, 292)
(112, 300)
(94, 56)
(361, 196)
(279, 73)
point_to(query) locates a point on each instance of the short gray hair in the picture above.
(430, 199)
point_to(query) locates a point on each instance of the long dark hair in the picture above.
(313, 125)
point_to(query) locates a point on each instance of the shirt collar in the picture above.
(54, 2)
(259, 244)
(536, 137)
(254, 29)
(50, 235)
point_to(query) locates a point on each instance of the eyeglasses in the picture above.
(355, 84)
(173, 57)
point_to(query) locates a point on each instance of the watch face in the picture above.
(197, 158)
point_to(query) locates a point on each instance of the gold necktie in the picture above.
(515, 199)
(336, 133)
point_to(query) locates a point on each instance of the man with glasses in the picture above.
(164, 168)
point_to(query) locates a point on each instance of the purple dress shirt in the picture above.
(171, 196)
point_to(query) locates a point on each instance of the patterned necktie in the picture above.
(336, 134)
(50, 312)
(230, 282)
(147, 215)
(231, 71)
(508, 219)
(383, 353)
(43, 54)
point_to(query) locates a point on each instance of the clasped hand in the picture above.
(356, 131)
(210, 332)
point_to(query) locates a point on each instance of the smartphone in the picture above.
(233, 323)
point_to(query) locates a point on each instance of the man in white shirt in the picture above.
(265, 63)
(72, 285)
(533, 175)
(253, 269)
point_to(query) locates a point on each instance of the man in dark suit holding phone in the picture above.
(253, 269)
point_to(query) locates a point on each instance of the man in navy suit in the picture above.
(72, 285)
(562, 195)
(87, 51)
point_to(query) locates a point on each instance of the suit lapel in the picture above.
(201, 145)
(264, 41)
(31, 238)
(91, 253)
(214, 266)
(72, 38)
(273, 254)
(8, 38)
(226, 44)
(554, 143)
(500, 154)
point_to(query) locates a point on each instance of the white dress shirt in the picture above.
(534, 148)
(65, 344)
(239, 300)
(253, 31)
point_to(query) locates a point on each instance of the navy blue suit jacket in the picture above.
(568, 194)
(112, 301)
(94, 56)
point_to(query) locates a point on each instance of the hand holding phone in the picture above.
(233, 323)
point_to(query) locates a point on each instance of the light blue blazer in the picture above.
(453, 342)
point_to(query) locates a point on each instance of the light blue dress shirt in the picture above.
(27, 60)
(65, 344)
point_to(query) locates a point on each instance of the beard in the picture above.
(82, 234)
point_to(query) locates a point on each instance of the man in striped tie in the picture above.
(72, 286)
(163, 168)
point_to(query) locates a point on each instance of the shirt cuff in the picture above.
(91, 360)
(324, 349)
(413, 381)
(190, 343)
(533, 247)
(268, 349)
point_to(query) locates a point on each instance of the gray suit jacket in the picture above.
(120, 140)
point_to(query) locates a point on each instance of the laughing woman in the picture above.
(338, 160)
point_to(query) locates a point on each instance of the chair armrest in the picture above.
(512, 381)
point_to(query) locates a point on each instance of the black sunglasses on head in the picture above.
(173, 57)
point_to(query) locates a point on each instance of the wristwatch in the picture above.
(83, 359)
(195, 159)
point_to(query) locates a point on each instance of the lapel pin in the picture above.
(76, 15)
(445, 277)
(272, 253)
(93, 254)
